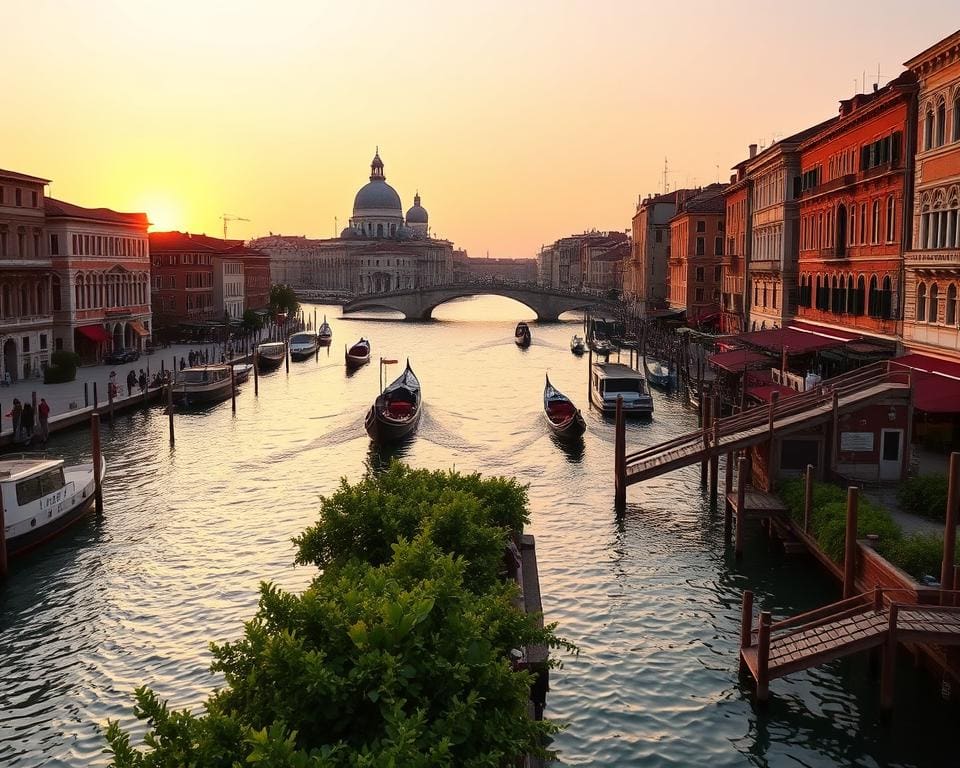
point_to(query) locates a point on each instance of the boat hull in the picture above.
(188, 396)
(268, 362)
(522, 341)
(353, 361)
(643, 408)
(324, 341)
(570, 429)
(20, 545)
(298, 355)
(383, 429)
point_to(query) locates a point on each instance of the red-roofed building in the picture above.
(101, 289)
(696, 247)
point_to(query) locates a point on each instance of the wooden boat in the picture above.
(659, 374)
(693, 394)
(522, 335)
(395, 413)
(241, 372)
(42, 497)
(303, 345)
(608, 380)
(270, 355)
(563, 417)
(325, 333)
(358, 354)
(577, 345)
(203, 384)
(601, 345)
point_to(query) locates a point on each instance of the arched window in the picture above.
(835, 295)
(956, 116)
(928, 129)
(764, 294)
(891, 219)
(952, 304)
(851, 297)
(859, 297)
(79, 293)
(818, 298)
(852, 226)
(875, 223)
(932, 302)
(886, 299)
(941, 122)
(774, 295)
(873, 301)
(863, 223)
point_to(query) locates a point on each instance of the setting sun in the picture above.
(164, 214)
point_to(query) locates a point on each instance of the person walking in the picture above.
(27, 421)
(131, 381)
(16, 415)
(43, 414)
(142, 381)
(112, 384)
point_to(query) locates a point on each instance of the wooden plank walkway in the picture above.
(757, 504)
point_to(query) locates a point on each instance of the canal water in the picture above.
(652, 597)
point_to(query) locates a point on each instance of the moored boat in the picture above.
(601, 345)
(577, 345)
(608, 380)
(42, 497)
(270, 355)
(659, 374)
(241, 372)
(395, 413)
(203, 384)
(358, 354)
(303, 345)
(563, 417)
(325, 333)
(522, 335)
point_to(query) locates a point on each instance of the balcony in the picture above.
(23, 322)
(934, 259)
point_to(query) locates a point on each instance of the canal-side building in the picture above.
(256, 279)
(602, 260)
(734, 297)
(932, 264)
(558, 264)
(380, 250)
(467, 269)
(855, 196)
(101, 287)
(26, 277)
(696, 249)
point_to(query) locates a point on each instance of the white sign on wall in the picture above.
(857, 442)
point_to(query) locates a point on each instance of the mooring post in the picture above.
(256, 373)
(889, 660)
(746, 626)
(620, 480)
(741, 502)
(233, 391)
(589, 374)
(877, 597)
(96, 402)
(763, 656)
(97, 461)
(807, 497)
(950, 529)
(774, 397)
(170, 409)
(728, 475)
(835, 433)
(850, 545)
(705, 403)
(86, 395)
(715, 457)
(286, 356)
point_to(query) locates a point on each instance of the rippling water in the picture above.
(652, 597)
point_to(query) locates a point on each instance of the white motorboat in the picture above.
(608, 380)
(303, 345)
(577, 345)
(203, 384)
(241, 372)
(42, 497)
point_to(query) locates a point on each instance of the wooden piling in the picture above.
(705, 403)
(774, 397)
(746, 626)
(728, 474)
(286, 356)
(170, 409)
(95, 401)
(807, 497)
(727, 506)
(620, 479)
(256, 372)
(741, 502)
(950, 528)
(715, 457)
(835, 434)
(763, 656)
(889, 660)
(850, 545)
(589, 374)
(233, 391)
(97, 461)
(86, 395)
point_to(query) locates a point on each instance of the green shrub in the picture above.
(63, 367)
(919, 554)
(925, 496)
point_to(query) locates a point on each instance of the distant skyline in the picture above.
(518, 123)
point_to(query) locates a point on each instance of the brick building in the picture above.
(735, 305)
(602, 256)
(696, 248)
(855, 194)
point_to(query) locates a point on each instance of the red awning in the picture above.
(95, 333)
(138, 328)
(763, 392)
(737, 360)
(794, 340)
(825, 331)
(936, 383)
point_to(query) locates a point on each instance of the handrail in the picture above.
(824, 611)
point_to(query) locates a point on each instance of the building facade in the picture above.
(932, 263)
(256, 279)
(228, 286)
(602, 260)
(466, 269)
(855, 197)
(734, 297)
(558, 264)
(696, 250)
(646, 274)
(101, 287)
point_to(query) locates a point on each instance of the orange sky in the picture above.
(518, 122)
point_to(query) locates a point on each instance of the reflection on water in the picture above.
(652, 597)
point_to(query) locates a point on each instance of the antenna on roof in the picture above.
(666, 183)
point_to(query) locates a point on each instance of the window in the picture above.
(54, 245)
(699, 274)
(875, 223)
(774, 295)
(26, 339)
(932, 315)
(941, 122)
(701, 246)
(18, 197)
(701, 225)
(886, 299)
(717, 274)
(873, 299)
(863, 223)
(730, 245)
(928, 130)
(43, 341)
(764, 294)
(718, 246)
(659, 235)
(891, 219)
(858, 297)
(952, 304)
(699, 294)
(33, 198)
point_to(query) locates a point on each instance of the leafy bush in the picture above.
(925, 496)
(63, 367)
(399, 662)
(919, 554)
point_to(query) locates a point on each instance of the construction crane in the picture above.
(230, 217)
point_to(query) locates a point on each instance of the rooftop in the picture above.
(61, 209)
(14, 176)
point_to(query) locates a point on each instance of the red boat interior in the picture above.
(560, 410)
(399, 408)
(359, 350)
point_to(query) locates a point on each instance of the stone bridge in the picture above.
(419, 303)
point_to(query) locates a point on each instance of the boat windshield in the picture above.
(273, 346)
(38, 486)
(302, 338)
(623, 385)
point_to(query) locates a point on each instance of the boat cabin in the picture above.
(204, 374)
(610, 380)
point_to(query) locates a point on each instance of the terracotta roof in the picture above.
(59, 208)
(951, 41)
(709, 200)
(22, 177)
(618, 252)
(185, 241)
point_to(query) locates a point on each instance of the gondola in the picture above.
(659, 374)
(577, 345)
(271, 355)
(563, 417)
(325, 333)
(395, 413)
(358, 354)
(303, 345)
(522, 335)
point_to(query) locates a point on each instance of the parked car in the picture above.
(122, 356)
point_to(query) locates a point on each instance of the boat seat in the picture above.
(561, 409)
(399, 408)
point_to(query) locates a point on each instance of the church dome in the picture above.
(405, 233)
(377, 195)
(350, 233)
(417, 214)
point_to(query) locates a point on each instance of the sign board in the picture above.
(857, 442)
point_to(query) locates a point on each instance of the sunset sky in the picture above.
(518, 122)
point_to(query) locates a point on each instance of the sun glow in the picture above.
(163, 213)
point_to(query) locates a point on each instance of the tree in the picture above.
(283, 299)
(251, 321)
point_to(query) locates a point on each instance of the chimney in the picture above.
(876, 87)
(753, 151)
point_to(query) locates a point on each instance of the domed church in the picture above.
(381, 249)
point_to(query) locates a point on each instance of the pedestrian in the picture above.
(43, 412)
(142, 381)
(131, 381)
(16, 415)
(192, 358)
(27, 422)
(112, 384)
(182, 364)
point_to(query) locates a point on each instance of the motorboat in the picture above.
(202, 384)
(522, 335)
(659, 374)
(563, 417)
(395, 413)
(358, 354)
(303, 345)
(325, 333)
(270, 355)
(610, 380)
(42, 497)
(601, 345)
(577, 345)
(241, 372)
